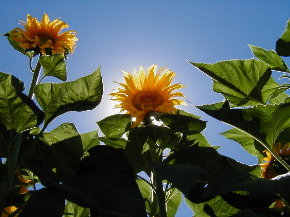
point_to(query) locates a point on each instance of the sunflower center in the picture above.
(44, 38)
(147, 100)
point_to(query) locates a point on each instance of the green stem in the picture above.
(11, 165)
(36, 72)
(158, 194)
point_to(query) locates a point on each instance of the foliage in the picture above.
(145, 170)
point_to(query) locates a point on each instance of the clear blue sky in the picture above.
(122, 35)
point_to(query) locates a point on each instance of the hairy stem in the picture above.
(36, 72)
(157, 192)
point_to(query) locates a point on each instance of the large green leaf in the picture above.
(183, 123)
(199, 139)
(66, 143)
(146, 193)
(210, 168)
(106, 182)
(90, 140)
(135, 150)
(73, 210)
(181, 176)
(279, 185)
(275, 92)
(115, 126)
(233, 204)
(80, 95)
(240, 81)
(214, 207)
(246, 141)
(46, 202)
(173, 200)
(261, 122)
(283, 43)
(270, 57)
(54, 65)
(113, 142)
(17, 111)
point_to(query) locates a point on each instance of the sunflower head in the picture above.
(146, 91)
(44, 36)
(24, 182)
(8, 210)
(270, 167)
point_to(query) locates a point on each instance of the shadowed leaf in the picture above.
(17, 111)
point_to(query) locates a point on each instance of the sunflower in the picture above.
(44, 37)
(147, 91)
(270, 167)
(8, 210)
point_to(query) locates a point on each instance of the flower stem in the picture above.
(160, 197)
(36, 72)
(158, 194)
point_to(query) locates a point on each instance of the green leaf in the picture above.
(107, 182)
(278, 185)
(261, 122)
(67, 146)
(240, 81)
(173, 200)
(80, 95)
(246, 141)
(214, 207)
(62, 132)
(199, 139)
(115, 126)
(279, 98)
(47, 202)
(270, 57)
(17, 111)
(145, 190)
(113, 142)
(229, 172)
(73, 210)
(283, 43)
(183, 123)
(90, 140)
(44, 173)
(136, 148)
(181, 176)
(54, 65)
(274, 92)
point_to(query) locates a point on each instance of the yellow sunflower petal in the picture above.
(44, 36)
(147, 91)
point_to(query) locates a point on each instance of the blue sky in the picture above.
(122, 35)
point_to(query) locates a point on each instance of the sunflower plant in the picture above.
(152, 154)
